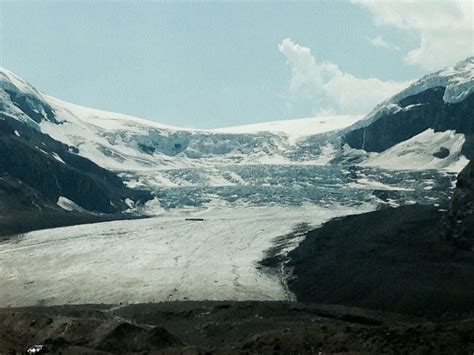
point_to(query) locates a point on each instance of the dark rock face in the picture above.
(35, 170)
(50, 170)
(31, 106)
(16, 196)
(130, 337)
(393, 260)
(460, 220)
(146, 149)
(442, 153)
(429, 111)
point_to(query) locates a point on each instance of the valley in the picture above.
(112, 210)
(167, 257)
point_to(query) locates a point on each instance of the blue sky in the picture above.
(214, 64)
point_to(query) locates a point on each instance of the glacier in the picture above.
(250, 185)
(157, 259)
(206, 234)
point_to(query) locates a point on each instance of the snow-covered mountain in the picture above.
(429, 125)
(432, 122)
(248, 188)
(122, 142)
(39, 175)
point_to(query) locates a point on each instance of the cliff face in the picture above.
(414, 115)
(460, 221)
(439, 102)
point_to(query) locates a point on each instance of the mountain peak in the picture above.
(22, 101)
(457, 81)
(467, 63)
(12, 82)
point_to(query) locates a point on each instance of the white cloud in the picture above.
(306, 74)
(355, 95)
(329, 87)
(380, 42)
(445, 28)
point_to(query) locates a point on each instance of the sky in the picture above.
(217, 64)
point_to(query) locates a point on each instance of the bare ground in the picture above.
(227, 328)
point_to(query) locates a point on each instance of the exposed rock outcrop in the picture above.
(39, 169)
(413, 115)
(392, 260)
(460, 220)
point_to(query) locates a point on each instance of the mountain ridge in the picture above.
(428, 123)
(123, 142)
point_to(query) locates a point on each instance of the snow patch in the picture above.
(68, 205)
(417, 153)
(58, 158)
(129, 202)
(365, 183)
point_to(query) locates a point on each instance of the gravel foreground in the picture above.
(227, 328)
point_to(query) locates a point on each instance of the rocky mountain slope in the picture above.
(58, 152)
(51, 168)
(437, 103)
(441, 102)
(44, 184)
(460, 220)
(44, 179)
(401, 263)
(394, 259)
(413, 115)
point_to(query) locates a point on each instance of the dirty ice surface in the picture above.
(156, 259)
